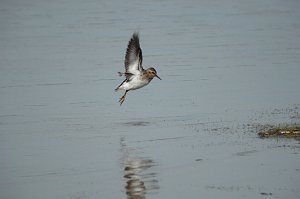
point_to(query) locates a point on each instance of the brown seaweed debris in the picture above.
(285, 132)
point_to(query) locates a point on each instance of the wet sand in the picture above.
(227, 67)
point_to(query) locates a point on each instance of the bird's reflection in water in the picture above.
(137, 173)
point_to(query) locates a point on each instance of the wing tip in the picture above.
(135, 36)
(136, 33)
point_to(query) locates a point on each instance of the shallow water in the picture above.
(226, 66)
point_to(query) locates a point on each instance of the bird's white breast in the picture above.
(135, 82)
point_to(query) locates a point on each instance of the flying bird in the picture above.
(135, 75)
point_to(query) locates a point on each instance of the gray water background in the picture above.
(226, 66)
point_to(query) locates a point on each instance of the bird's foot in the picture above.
(122, 99)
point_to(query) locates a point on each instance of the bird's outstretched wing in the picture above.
(133, 57)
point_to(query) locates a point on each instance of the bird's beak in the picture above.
(157, 77)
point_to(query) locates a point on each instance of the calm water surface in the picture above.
(226, 67)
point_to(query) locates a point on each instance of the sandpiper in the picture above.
(136, 76)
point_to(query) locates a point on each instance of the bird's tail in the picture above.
(120, 74)
(116, 89)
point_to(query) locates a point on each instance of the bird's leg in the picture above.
(122, 99)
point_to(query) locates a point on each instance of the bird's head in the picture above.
(151, 73)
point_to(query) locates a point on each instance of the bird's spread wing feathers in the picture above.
(134, 57)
